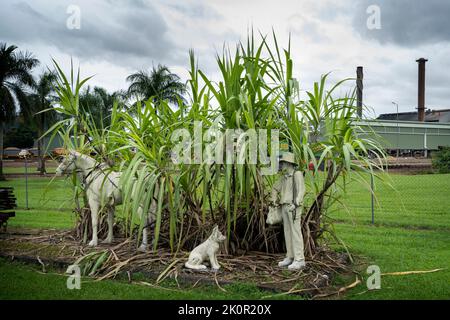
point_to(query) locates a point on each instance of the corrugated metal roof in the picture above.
(442, 115)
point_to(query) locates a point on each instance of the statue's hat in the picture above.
(287, 157)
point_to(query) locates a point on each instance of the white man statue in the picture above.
(287, 200)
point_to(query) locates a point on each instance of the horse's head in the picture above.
(67, 165)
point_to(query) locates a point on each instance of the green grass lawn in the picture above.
(31, 169)
(412, 201)
(412, 232)
(22, 281)
(49, 202)
(399, 249)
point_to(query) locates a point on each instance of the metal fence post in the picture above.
(25, 154)
(371, 196)
(26, 183)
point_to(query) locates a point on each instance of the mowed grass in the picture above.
(399, 250)
(411, 232)
(50, 203)
(22, 281)
(411, 201)
(18, 166)
(30, 170)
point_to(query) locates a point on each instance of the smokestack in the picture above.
(359, 90)
(421, 91)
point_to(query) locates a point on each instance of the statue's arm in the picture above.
(300, 188)
(276, 188)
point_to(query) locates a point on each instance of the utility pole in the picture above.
(398, 131)
(359, 90)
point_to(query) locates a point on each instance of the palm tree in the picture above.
(15, 76)
(41, 99)
(159, 84)
(98, 103)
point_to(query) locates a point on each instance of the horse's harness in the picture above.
(96, 167)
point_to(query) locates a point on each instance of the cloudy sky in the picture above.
(118, 37)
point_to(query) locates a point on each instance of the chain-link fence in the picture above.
(404, 198)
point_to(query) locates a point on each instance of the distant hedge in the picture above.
(441, 160)
(20, 137)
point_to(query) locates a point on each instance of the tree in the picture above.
(160, 84)
(21, 136)
(441, 160)
(39, 100)
(98, 103)
(15, 76)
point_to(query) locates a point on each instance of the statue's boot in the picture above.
(286, 262)
(297, 265)
(142, 248)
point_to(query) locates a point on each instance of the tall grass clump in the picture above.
(256, 90)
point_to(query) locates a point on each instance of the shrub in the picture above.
(20, 137)
(441, 160)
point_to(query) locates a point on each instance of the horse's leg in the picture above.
(151, 215)
(94, 218)
(144, 244)
(110, 236)
(153, 208)
(148, 219)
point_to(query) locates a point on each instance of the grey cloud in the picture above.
(195, 10)
(406, 22)
(122, 32)
(303, 26)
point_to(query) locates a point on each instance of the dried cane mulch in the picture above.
(121, 257)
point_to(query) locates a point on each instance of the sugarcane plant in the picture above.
(256, 90)
(78, 131)
(332, 150)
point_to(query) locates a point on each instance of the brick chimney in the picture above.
(421, 90)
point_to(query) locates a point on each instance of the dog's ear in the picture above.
(215, 230)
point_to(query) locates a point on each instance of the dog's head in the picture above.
(216, 235)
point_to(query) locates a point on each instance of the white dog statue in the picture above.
(206, 250)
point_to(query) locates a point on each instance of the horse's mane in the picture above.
(81, 155)
(102, 165)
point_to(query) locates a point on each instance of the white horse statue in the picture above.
(102, 187)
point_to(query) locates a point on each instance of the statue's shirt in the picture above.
(289, 189)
